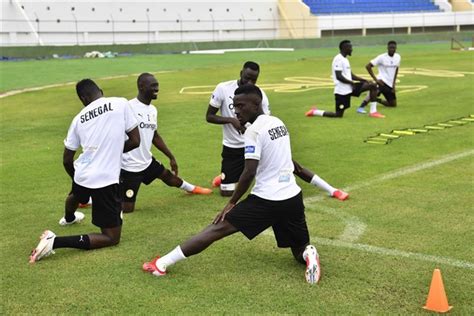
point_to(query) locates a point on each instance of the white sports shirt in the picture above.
(100, 130)
(139, 159)
(223, 99)
(341, 63)
(387, 67)
(268, 141)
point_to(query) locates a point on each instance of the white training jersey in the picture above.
(139, 159)
(387, 66)
(100, 130)
(341, 63)
(268, 141)
(223, 99)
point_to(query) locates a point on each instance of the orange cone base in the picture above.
(438, 310)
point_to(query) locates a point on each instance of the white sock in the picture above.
(318, 113)
(373, 107)
(187, 186)
(320, 183)
(170, 258)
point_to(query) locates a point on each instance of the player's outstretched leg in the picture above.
(174, 181)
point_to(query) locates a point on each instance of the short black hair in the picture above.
(143, 76)
(86, 87)
(249, 89)
(343, 43)
(391, 42)
(252, 65)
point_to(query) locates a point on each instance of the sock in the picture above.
(79, 242)
(320, 183)
(373, 107)
(70, 217)
(187, 186)
(170, 258)
(318, 113)
(365, 102)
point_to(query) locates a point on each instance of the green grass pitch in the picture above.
(410, 207)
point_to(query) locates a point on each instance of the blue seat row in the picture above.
(369, 6)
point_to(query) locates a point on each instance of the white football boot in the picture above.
(313, 268)
(45, 246)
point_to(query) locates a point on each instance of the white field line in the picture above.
(355, 228)
(56, 85)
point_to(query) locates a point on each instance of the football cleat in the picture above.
(44, 248)
(79, 217)
(153, 269)
(377, 115)
(217, 181)
(313, 268)
(340, 195)
(200, 190)
(310, 112)
(361, 110)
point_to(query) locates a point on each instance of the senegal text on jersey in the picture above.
(278, 132)
(89, 115)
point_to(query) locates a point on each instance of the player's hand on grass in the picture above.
(174, 166)
(221, 216)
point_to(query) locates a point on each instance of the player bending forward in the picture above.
(275, 200)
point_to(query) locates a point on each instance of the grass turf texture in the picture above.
(425, 212)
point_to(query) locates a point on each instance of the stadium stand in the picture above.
(83, 22)
(320, 7)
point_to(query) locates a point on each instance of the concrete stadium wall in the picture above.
(105, 22)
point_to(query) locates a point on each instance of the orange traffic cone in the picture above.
(437, 300)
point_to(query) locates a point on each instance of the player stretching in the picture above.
(275, 200)
(345, 86)
(100, 129)
(233, 140)
(388, 64)
(138, 165)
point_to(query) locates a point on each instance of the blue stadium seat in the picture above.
(321, 7)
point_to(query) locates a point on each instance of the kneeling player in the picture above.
(139, 166)
(275, 200)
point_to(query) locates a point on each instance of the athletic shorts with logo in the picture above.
(387, 92)
(233, 163)
(106, 204)
(343, 101)
(130, 181)
(254, 214)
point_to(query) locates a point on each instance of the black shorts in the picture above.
(130, 181)
(387, 92)
(106, 204)
(254, 214)
(357, 89)
(233, 163)
(343, 102)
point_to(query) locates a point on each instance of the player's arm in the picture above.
(395, 80)
(357, 78)
(245, 180)
(68, 161)
(343, 79)
(133, 140)
(370, 70)
(212, 117)
(161, 145)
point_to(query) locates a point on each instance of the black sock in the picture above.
(363, 104)
(70, 217)
(79, 242)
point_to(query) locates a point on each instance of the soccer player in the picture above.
(388, 64)
(345, 85)
(138, 165)
(275, 200)
(100, 129)
(233, 140)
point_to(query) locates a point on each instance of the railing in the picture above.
(74, 31)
